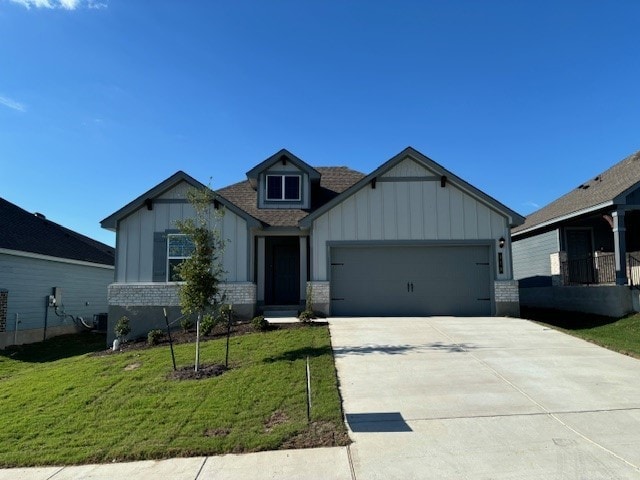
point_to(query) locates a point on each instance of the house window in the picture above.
(283, 187)
(179, 248)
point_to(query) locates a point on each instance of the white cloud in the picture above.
(12, 104)
(69, 4)
(61, 4)
(531, 204)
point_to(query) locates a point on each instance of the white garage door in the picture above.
(410, 280)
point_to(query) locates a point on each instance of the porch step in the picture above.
(279, 313)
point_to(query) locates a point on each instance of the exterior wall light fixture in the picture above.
(501, 242)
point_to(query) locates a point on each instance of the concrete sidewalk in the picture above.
(316, 463)
(485, 398)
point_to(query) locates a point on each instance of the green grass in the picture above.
(621, 335)
(61, 405)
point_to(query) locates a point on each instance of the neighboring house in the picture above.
(411, 238)
(588, 237)
(39, 259)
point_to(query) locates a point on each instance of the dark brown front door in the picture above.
(282, 272)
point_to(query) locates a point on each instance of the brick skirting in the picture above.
(166, 294)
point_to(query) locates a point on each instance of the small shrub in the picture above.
(208, 323)
(260, 323)
(154, 336)
(225, 311)
(122, 328)
(306, 316)
(186, 323)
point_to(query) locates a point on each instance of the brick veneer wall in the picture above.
(4, 297)
(166, 294)
(320, 296)
(145, 304)
(507, 298)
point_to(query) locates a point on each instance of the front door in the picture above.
(282, 272)
(580, 255)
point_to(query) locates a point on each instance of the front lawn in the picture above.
(621, 335)
(60, 408)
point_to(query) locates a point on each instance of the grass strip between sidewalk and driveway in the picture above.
(618, 334)
(62, 405)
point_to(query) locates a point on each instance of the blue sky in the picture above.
(101, 100)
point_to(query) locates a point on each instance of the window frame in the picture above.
(283, 177)
(174, 257)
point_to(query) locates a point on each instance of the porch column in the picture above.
(303, 268)
(260, 270)
(620, 246)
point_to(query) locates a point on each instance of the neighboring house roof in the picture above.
(333, 181)
(27, 232)
(409, 152)
(605, 189)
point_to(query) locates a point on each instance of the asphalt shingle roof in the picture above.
(333, 181)
(24, 231)
(600, 189)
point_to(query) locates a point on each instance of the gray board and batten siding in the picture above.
(144, 228)
(30, 278)
(531, 261)
(409, 203)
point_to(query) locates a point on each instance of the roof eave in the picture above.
(409, 152)
(111, 222)
(562, 218)
(253, 174)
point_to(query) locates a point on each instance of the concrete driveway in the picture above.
(456, 398)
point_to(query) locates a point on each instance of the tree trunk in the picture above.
(198, 341)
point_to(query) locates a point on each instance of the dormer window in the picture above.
(283, 188)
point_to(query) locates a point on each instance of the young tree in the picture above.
(202, 271)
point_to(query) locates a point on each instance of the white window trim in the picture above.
(169, 257)
(282, 176)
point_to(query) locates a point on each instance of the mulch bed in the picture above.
(318, 434)
(179, 337)
(204, 371)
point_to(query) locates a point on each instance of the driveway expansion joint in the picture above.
(531, 414)
(204, 462)
(56, 473)
(352, 470)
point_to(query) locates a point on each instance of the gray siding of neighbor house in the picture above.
(406, 205)
(135, 239)
(531, 263)
(30, 280)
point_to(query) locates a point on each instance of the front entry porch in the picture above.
(281, 271)
(600, 249)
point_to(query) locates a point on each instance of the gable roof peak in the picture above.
(280, 155)
(415, 155)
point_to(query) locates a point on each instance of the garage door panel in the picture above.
(410, 280)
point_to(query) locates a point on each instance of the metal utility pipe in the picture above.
(15, 331)
(46, 317)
